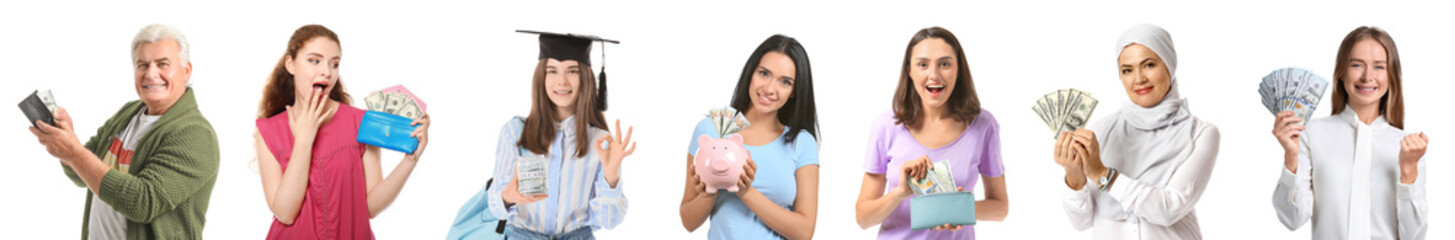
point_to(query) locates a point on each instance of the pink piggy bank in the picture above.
(719, 161)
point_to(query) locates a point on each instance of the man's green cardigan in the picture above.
(173, 169)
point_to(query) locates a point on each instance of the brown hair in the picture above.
(963, 103)
(540, 126)
(279, 92)
(1392, 104)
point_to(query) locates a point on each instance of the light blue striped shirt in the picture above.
(578, 193)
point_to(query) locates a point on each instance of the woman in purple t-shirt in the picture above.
(936, 117)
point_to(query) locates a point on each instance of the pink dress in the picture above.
(335, 205)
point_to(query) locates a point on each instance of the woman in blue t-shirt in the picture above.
(778, 190)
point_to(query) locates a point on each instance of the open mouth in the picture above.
(319, 86)
(1365, 89)
(1143, 90)
(935, 89)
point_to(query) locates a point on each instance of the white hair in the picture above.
(161, 32)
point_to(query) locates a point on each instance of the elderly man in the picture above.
(151, 167)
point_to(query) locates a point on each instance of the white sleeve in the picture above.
(1080, 208)
(1164, 206)
(1293, 199)
(1411, 207)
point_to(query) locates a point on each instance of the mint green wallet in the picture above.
(954, 208)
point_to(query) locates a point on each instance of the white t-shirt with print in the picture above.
(106, 222)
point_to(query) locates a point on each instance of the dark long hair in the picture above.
(540, 125)
(799, 112)
(1392, 104)
(279, 91)
(963, 103)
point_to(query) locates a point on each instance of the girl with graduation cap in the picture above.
(778, 191)
(566, 127)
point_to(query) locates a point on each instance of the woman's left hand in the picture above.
(745, 180)
(1411, 150)
(421, 132)
(1089, 151)
(616, 149)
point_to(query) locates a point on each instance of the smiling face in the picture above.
(563, 80)
(161, 76)
(315, 67)
(1366, 78)
(934, 70)
(1144, 75)
(772, 83)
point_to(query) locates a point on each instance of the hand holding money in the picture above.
(421, 132)
(931, 178)
(913, 170)
(531, 172)
(1089, 151)
(511, 195)
(1288, 134)
(1065, 155)
(60, 140)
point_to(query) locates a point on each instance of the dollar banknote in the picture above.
(938, 179)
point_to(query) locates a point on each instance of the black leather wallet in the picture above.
(35, 110)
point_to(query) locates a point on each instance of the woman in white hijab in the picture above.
(1366, 169)
(1139, 174)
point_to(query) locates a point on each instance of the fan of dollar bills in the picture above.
(727, 120)
(1292, 89)
(1065, 110)
(395, 100)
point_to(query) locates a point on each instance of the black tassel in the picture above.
(601, 91)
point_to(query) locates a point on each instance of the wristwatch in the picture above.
(1104, 182)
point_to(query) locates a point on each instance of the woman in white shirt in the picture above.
(1366, 169)
(1157, 158)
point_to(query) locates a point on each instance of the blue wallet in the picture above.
(954, 208)
(387, 131)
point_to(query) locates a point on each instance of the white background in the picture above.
(679, 59)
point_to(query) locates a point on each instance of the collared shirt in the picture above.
(1336, 152)
(579, 195)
